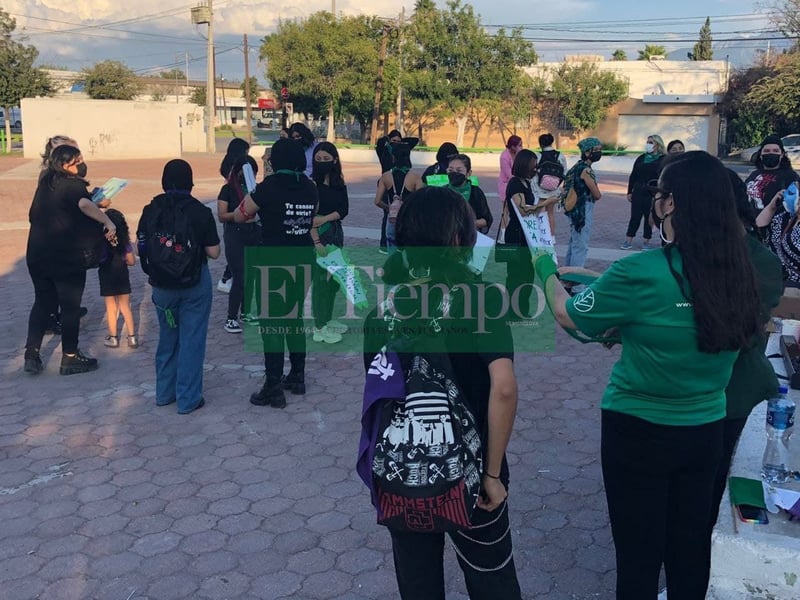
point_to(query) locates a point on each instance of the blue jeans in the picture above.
(578, 247)
(183, 326)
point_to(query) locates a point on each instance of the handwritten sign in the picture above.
(345, 274)
(536, 228)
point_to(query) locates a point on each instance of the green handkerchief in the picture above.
(745, 491)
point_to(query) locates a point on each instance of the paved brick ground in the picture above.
(103, 495)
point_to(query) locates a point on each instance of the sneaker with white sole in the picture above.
(626, 246)
(323, 334)
(224, 286)
(232, 326)
(111, 341)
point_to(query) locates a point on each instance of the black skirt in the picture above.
(114, 277)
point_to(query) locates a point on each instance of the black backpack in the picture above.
(173, 256)
(422, 445)
(550, 171)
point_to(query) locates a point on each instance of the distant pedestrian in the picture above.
(299, 132)
(581, 217)
(115, 282)
(459, 171)
(773, 172)
(183, 306)
(676, 147)
(513, 146)
(646, 169)
(548, 156)
(443, 155)
(237, 148)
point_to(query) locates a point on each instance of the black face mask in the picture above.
(770, 161)
(595, 156)
(456, 179)
(321, 169)
(82, 170)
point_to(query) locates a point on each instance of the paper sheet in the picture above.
(109, 189)
(481, 252)
(536, 228)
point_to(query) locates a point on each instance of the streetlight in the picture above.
(203, 13)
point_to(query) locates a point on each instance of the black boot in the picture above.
(33, 362)
(77, 363)
(271, 393)
(294, 382)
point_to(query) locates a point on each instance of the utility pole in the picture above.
(222, 87)
(376, 108)
(204, 13)
(186, 56)
(248, 108)
(398, 123)
(177, 58)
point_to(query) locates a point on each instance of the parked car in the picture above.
(16, 118)
(791, 144)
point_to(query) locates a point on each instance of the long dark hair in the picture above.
(720, 280)
(59, 158)
(123, 233)
(436, 230)
(55, 142)
(335, 177)
(306, 136)
(237, 148)
(524, 164)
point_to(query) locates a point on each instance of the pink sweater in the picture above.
(506, 162)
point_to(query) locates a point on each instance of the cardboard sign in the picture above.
(536, 228)
(481, 252)
(109, 189)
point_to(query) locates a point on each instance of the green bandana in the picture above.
(465, 190)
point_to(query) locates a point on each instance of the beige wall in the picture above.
(114, 129)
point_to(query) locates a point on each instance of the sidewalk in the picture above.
(105, 496)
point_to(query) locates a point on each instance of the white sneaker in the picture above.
(336, 326)
(232, 326)
(326, 335)
(224, 286)
(662, 595)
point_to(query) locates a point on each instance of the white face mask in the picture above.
(648, 147)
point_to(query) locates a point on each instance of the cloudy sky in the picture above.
(154, 35)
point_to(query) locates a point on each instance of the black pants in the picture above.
(732, 430)
(484, 554)
(323, 295)
(383, 228)
(284, 327)
(61, 290)
(519, 284)
(237, 238)
(640, 209)
(659, 482)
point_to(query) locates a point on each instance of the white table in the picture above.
(750, 561)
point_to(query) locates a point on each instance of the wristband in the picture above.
(490, 476)
(243, 210)
(545, 267)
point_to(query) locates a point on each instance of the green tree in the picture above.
(326, 63)
(111, 80)
(702, 49)
(158, 96)
(253, 90)
(651, 50)
(582, 93)
(198, 96)
(18, 77)
(456, 69)
(776, 96)
(619, 54)
(173, 74)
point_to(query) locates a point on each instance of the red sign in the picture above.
(266, 103)
(284, 93)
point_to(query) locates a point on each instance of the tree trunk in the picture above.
(419, 133)
(461, 122)
(331, 125)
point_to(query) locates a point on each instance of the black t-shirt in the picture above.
(477, 200)
(333, 199)
(517, 185)
(200, 216)
(287, 207)
(641, 174)
(472, 344)
(763, 184)
(60, 232)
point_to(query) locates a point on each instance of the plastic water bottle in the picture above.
(790, 198)
(780, 422)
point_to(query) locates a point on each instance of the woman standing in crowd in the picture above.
(302, 134)
(443, 155)
(645, 169)
(394, 186)
(549, 155)
(783, 235)
(237, 237)
(333, 208)
(582, 177)
(519, 270)
(688, 308)
(513, 146)
(66, 227)
(459, 170)
(182, 311)
(676, 147)
(287, 204)
(483, 369)
(773, 172)
(237, 148)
